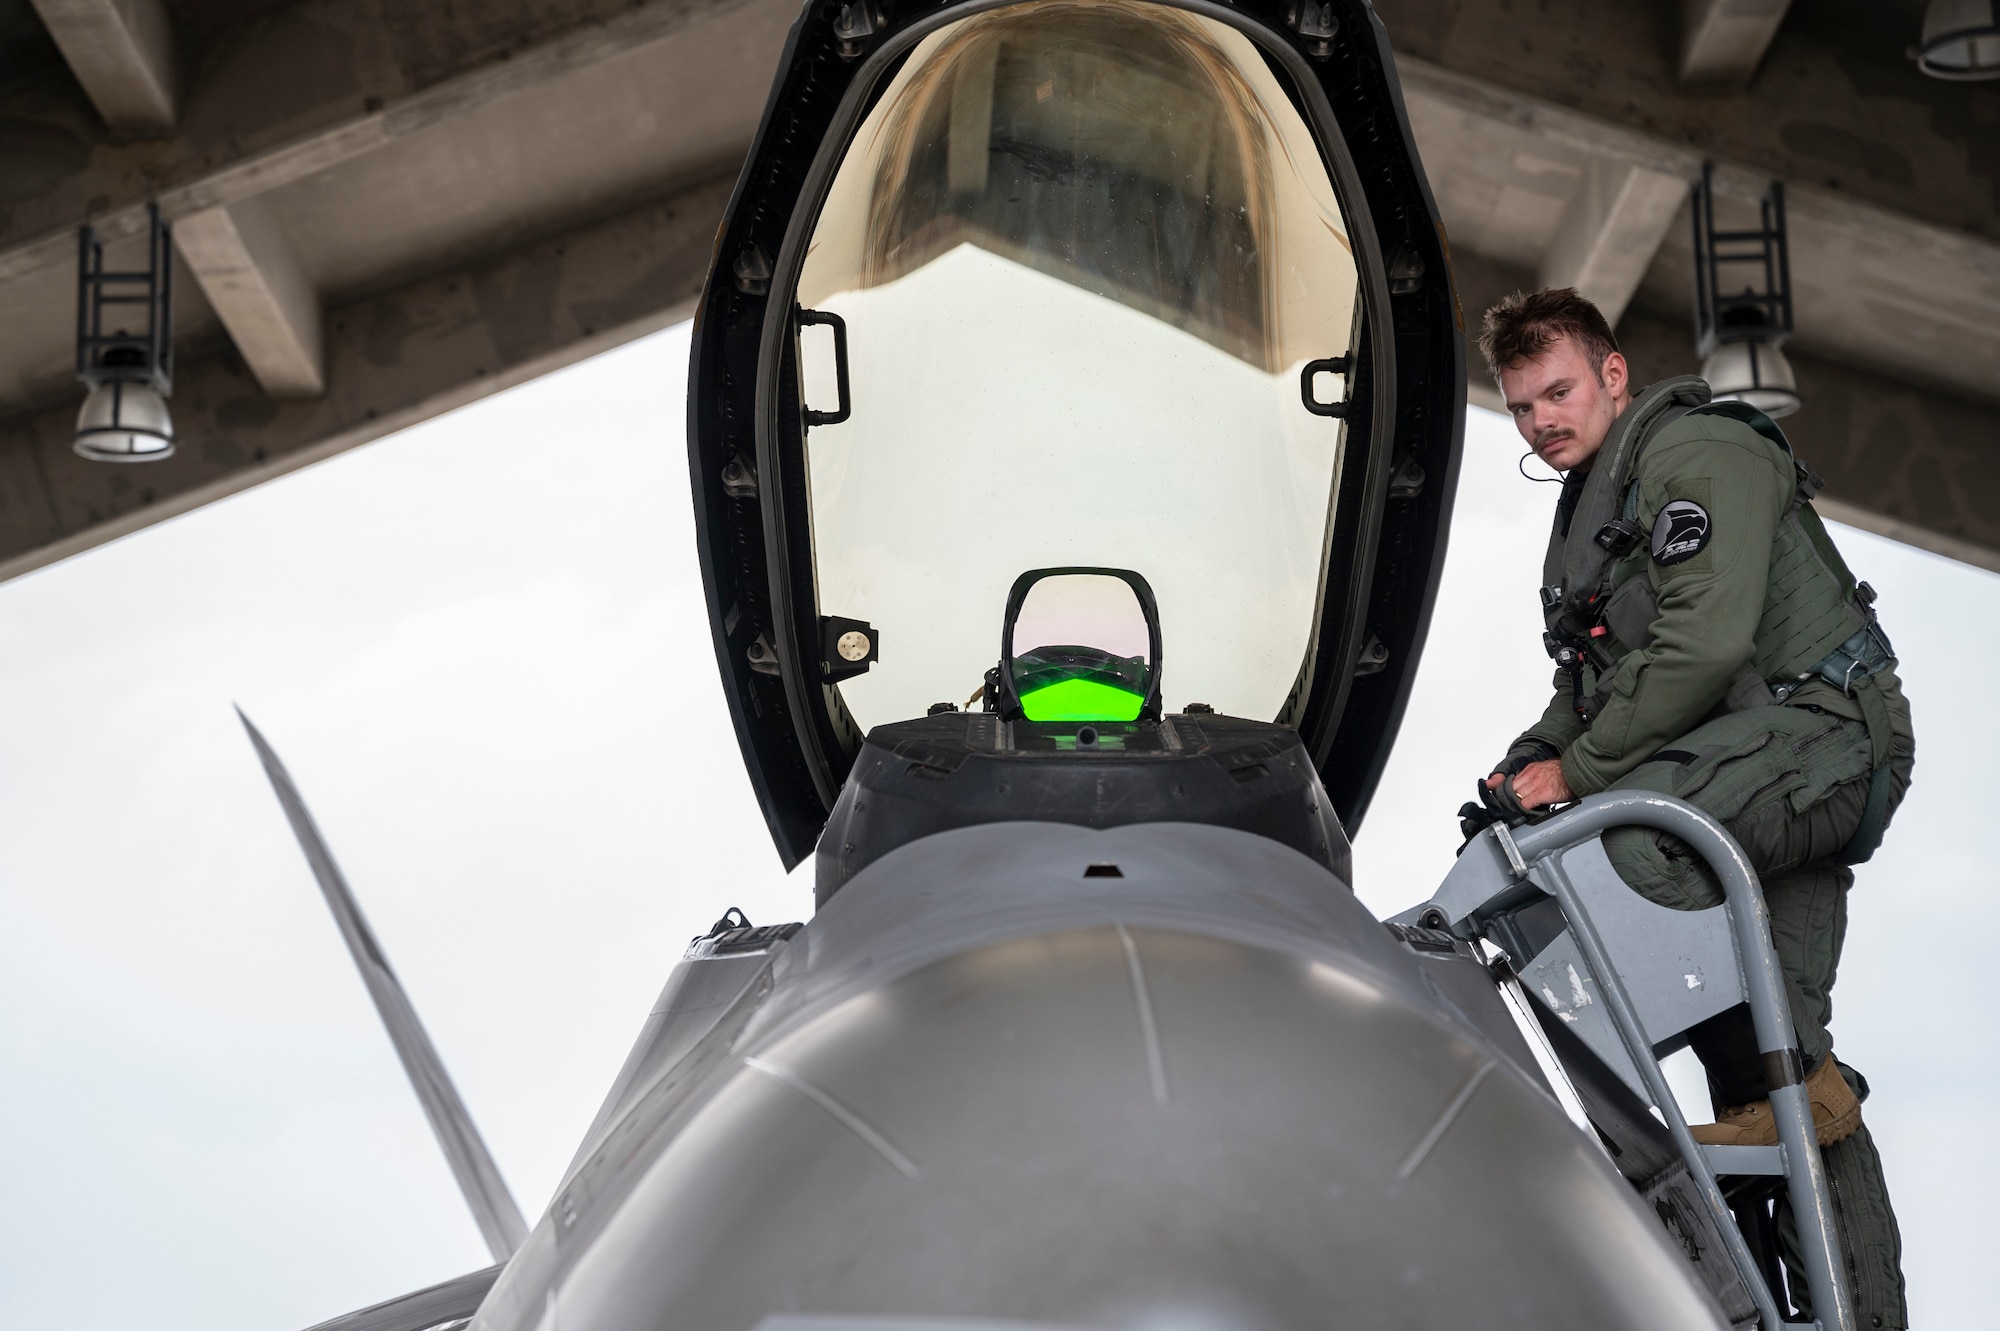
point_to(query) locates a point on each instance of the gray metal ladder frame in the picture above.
(1518, 864)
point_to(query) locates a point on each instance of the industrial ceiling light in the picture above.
(1753, 372)
(1739, 334)
(1961, 40)
(130, 374)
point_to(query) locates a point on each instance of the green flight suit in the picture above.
(1735, 596)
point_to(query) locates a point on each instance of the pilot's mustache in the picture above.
(1548, 437)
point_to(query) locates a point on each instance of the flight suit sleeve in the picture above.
(1714, 492)
(1559, 726)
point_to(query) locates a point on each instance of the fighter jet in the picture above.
(1074, 413)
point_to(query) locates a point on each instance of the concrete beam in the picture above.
(392, 360)
(1723, 41)
(1609, 233)
(235, 144)
(252, 276)
(122, 52)
(1909, 533)
(1872, 287)
(1836, 103)
(1891, 181)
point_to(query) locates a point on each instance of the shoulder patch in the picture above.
(1680, 532)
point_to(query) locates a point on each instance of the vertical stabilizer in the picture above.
(472, 1165)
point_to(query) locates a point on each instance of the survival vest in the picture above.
(1818, 622)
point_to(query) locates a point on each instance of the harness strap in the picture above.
(1875, 713)
(1855, 665)
(1867, 838)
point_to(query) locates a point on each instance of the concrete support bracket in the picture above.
(122, 52)
(1723, 41)
(265, 299)
(1611, 230)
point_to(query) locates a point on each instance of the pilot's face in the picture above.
(1561, 407)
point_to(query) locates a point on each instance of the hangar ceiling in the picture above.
(385, 209)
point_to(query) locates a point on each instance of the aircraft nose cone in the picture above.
(1128, 1128)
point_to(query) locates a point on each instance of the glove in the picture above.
(1498, 806)
(1473, 818)
(1504, 806)
(1501, 804)
(1527, 749)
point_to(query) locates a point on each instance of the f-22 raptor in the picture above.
(1074, 413)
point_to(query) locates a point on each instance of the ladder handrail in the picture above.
(1534, 852)
(1625, 1017)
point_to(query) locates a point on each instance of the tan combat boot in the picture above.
(1836, 1114)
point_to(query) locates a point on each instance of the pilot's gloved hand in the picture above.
(1503, 805)
(1526, 750)
(1497, 802)
(1538, 787)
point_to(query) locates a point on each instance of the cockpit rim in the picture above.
(1390, 553)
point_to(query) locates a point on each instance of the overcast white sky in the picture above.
(480, 647)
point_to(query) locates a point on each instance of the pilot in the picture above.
(1711, 644)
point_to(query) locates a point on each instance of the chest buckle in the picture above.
(1620, 537)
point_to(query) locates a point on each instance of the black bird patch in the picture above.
(1680, 532)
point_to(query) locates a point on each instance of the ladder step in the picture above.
(1741, 1160)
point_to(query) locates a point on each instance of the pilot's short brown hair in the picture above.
(1527, 323)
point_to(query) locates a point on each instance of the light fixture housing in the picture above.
(1738, 331)
(1756, 373)
(130, 374)
(1961, 40)
(124, 422)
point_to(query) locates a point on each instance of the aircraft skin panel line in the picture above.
(839, 1112)
(1149, 1029)
(1415, 1160)
(493, 1207)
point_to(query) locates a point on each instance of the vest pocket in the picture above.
(1630, 612)
(1624, 684)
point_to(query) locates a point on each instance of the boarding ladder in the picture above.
(1628, 979)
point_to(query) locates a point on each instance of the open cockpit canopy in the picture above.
(1094, 285)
